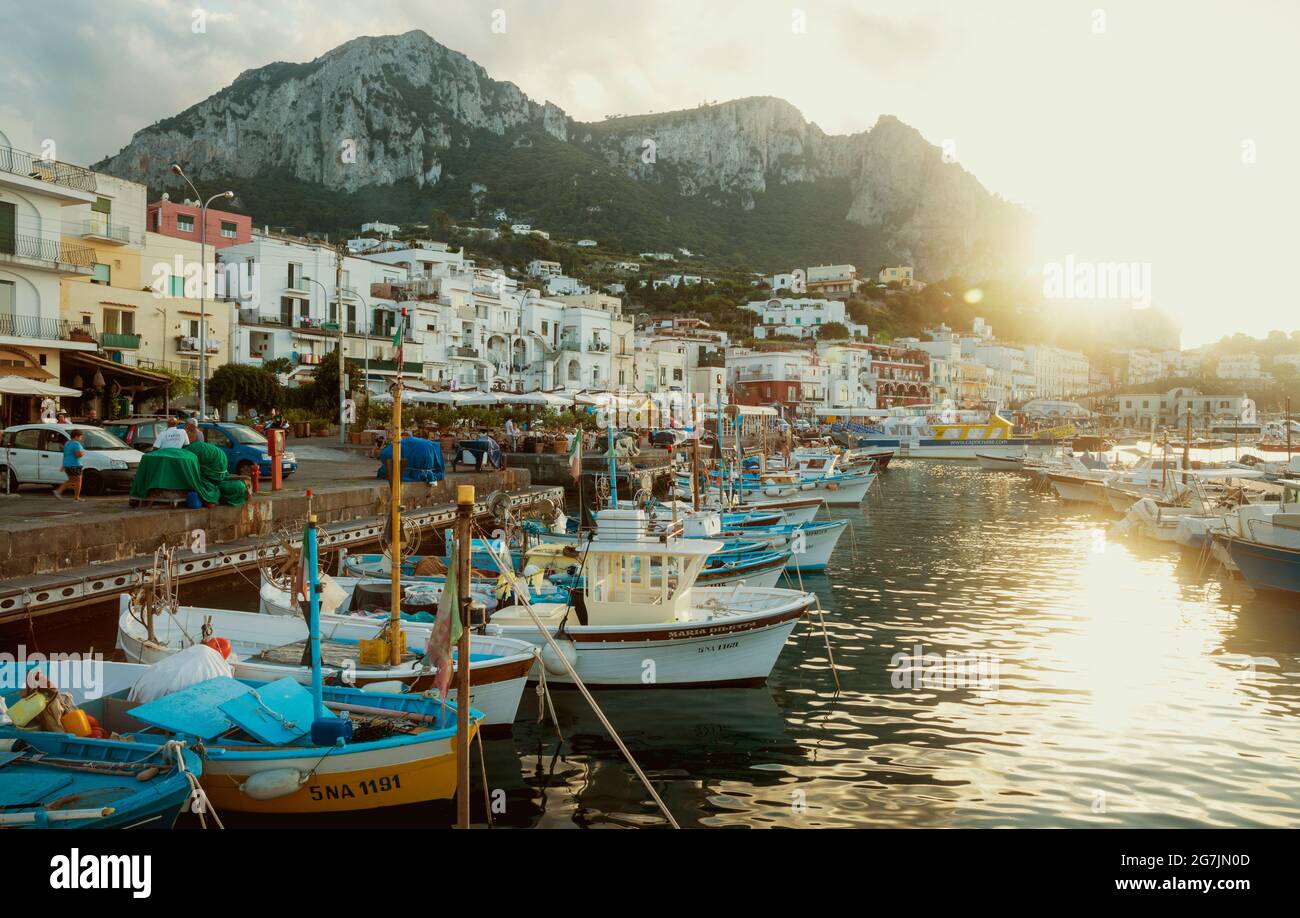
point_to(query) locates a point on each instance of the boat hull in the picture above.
(729, 651)
(1265, 567)
(354, 778)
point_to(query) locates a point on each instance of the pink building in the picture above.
(182, 221)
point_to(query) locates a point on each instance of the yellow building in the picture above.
(136, 300)
(971, 381)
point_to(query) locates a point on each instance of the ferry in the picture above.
(946, 434)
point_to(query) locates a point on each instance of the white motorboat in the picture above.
(640, 619)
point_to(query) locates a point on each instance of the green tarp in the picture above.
(199, 467)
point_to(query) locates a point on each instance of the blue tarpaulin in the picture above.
(422, 460)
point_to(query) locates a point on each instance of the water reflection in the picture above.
(1131, 689)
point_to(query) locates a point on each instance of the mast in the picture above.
(1187, 444)
(395, 515)
(464, 549)
(613, 463)
(313, 605)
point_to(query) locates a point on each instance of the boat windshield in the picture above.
(634, 578)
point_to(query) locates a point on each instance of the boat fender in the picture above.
(554, 665)
(774, 491)
(807, 487)
(269, 785)
(832, 486)
(387, 687)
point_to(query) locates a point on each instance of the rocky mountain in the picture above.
(388, 127)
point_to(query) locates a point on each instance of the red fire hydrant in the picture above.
(257, 476)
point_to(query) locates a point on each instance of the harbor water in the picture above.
(1002, 660)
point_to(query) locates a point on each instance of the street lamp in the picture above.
(203, 279)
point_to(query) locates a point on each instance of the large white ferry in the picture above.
(929, 433)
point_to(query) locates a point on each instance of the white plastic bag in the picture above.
(193, 665)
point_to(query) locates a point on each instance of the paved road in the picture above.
(321, 464)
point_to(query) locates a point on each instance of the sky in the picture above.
(1158, 134)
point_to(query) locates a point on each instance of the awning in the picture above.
(23, 385)
(122, 373)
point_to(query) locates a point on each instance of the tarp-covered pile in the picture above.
(421, 460)
(199, 467)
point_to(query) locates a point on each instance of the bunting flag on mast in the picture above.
(398, 340)
(575, 455)
(446, 630)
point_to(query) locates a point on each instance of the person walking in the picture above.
(72, 456)
(512, 436)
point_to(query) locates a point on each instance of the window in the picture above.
(677, 375)
(295, 276)
(184, 224)
(622, 378)
(102, 274)
(193, 328)
(8, 298)
(27, 439)
(176, 285)
(216, 438)
(119, 321)
(228, 230)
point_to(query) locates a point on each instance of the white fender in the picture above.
(268, 785)
(554, 665)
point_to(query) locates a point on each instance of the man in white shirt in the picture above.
(511, 436)
(172, 438)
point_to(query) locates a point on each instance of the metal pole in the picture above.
(613, 463)
(395, 528)
(203, 311)
(338, 299)
(464, 548)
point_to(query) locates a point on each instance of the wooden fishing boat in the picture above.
(269, 647)
(639, 618)
(63, 781)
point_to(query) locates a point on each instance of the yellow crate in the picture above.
(376, 652)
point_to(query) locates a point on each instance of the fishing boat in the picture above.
(1264, 566)
(53, 779)
(1000, 463)
(639, 618)
(270, 647)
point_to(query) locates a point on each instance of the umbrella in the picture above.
(557, 399)
(21, 385)
(477, 400)
(529, 399)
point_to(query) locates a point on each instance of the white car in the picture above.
(33, 454)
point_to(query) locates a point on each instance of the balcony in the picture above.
(28, 165)
(408, 366)
(103, 230)
(51, 254)
(35, 327)
(470, 352)
(189, 344)
(568, 343)
(599, 347)
(117, 341)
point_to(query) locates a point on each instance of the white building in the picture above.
(1170, 409)
(1240, 366)
(799, 318)
(1011, 382)
(35, 197)
(563, 285)
(539, 268)
(678, 280)
(1058, 373)
(385, 229)
(586, 243)
(597, 344)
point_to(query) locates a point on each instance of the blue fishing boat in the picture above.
(1264, 566)
(60, 780)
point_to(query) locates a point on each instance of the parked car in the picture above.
(245, 447)
(137, 433)
(33, 454)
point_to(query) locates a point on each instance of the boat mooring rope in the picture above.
(508, 571)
